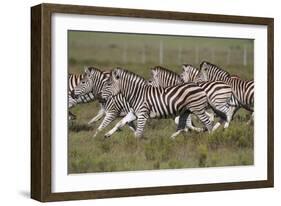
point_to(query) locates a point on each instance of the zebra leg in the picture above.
(210, 115)
(71, 103)
(181, 125)
(219, 123)
(204, 119)
(128, 118)
(109, 117)
(100, 114)
(141, 121)
(229, 116)
(189, 124)
(132, 126)
(225, 112)
(71, 116)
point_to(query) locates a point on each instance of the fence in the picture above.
(159, 53)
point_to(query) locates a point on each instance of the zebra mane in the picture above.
(214, 66)
(190, 65)
(160, 68)
(91, 68)
(235, 76)
(123, 72)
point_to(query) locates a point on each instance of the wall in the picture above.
(15, 95)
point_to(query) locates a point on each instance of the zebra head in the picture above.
(151, 82)
(106, 91)
(162, 77)
(154, 80)
(92, 82)
(125, 82)
(112, 86)
(211, 72)
(189, 73)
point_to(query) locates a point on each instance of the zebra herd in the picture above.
(166, 94)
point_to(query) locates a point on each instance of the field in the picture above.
(139, 53)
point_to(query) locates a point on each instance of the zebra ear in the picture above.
(154, 73)
(203, 64)
(184, 67)
(115, 74)
(86, 69)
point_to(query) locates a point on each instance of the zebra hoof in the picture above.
(172, 137)
(138, 136)
(226, 125)
(107, 135)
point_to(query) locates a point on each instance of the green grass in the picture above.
(230, 147)
(123, 152)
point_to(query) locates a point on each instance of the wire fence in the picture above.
(162, 54)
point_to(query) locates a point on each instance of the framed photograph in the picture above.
(130, 102)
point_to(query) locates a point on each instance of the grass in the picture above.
(123, 152)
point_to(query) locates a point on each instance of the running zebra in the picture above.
(162, 77)
(218, 93)
(243, 90)
(148, 101)
(113, 106)
(89, 96)
(73, 80)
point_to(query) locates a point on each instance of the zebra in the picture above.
(75, 96)
(218, 93)
(243, 90)
(73, 80)
(162, 77)
(113, 106)
(148, 101)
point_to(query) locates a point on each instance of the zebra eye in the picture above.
(117, 76)
(83, 82)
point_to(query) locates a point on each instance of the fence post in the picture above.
(161, 52)
(143, 55)
(124, 52)
(196, 55)
(245, 56)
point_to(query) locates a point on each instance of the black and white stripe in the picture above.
(218, 93)
(162, 77)
(96, 78)
(75, 82)
(243, 90)
(148, 101)
(95, 83)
